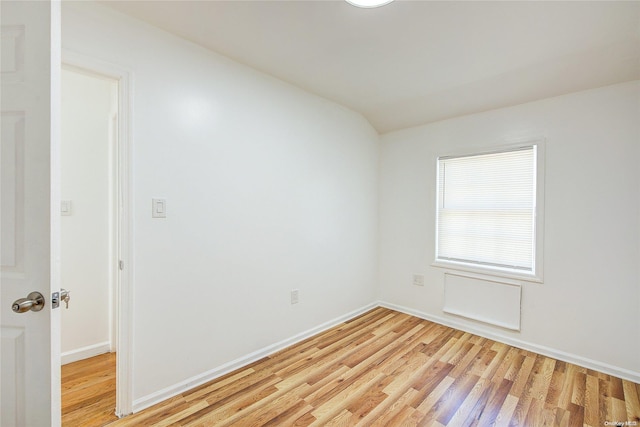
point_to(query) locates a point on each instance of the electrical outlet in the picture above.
(294, 296)
(418, 280)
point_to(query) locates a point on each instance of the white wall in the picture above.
(268, 189)
(587, 308)
(85, 243)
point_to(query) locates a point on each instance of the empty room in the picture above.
(321, 213)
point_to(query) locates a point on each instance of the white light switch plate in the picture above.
(158, 208)
(418, 280)
(65, 207)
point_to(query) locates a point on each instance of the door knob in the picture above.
(34, 302)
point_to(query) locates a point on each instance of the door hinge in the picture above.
(121, 265)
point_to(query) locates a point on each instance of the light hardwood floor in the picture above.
(386, 368)
(89, 391)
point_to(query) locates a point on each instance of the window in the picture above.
(486, 216)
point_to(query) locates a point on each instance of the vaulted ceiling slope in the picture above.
(415, 62)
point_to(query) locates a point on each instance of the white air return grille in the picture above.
(485, 300)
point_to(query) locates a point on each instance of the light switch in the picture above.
(65, 207)
(158, 208)
(418, 279)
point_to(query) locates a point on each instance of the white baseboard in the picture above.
(85, 352)
(171, 391)
(543, 350)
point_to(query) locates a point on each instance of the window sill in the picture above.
(493, 272)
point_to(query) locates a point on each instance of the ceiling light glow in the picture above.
(368, 3)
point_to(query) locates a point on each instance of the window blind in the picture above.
(486, 209)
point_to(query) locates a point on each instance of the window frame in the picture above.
(536, 275)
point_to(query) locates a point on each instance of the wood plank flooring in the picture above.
(89, 391)
(386, 368)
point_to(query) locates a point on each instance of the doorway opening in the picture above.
(88, 240)
(96, 228)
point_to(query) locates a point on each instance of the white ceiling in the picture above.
(415, 62)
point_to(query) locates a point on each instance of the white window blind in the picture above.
(486, 209)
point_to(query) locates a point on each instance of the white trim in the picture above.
(85, 352)
(494, 273)
(543, 350)
(55, 189)
(124, 285)
(168, 392)
(114, 221)
(541, 148)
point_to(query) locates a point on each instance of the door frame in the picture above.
(124, 231)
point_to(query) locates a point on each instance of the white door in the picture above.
(30, 376)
